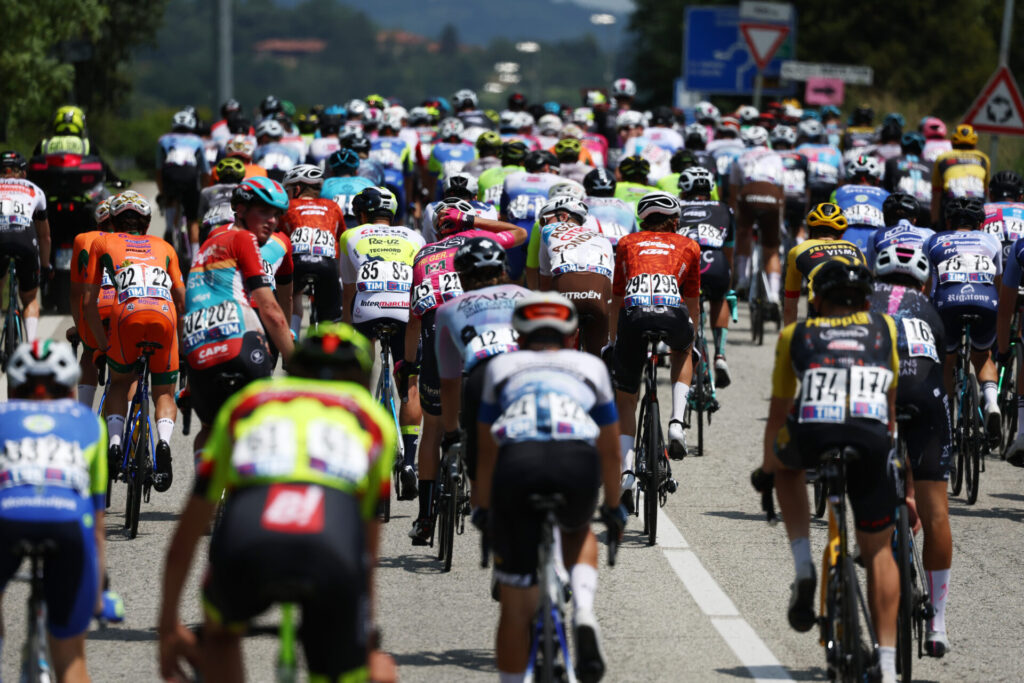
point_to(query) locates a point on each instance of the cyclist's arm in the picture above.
(692, 304)
(284, 299)
(519, 234)
(92, 316)
(273, 320)
(783, 391)
(43, 233)
(178, 297)
(412, 338)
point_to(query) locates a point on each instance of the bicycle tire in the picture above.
(441, 510)
(137, 473)
(1008, 397)
(700, 387)
(905, 614)
(639, 463)
(655, 450)
(977, 437)
(820, 498)
(853, 669)
(956, 482)
(451, 509)
(547, 672)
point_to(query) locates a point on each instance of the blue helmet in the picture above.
(829, 110)
(343, 161)
(335, 110)
(263, 190)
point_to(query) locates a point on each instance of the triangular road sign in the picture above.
(999, 108)
(763, 40)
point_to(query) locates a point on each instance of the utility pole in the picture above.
(225, 71)
(1004, 59)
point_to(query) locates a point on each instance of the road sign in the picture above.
(801, 71)
(999, 108)
(716, 59)
(774, 12)
(763, 40)
(822, 91)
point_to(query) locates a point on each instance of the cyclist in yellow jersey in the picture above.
(963, 171)
(301, 463)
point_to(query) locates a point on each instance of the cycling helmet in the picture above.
(538, 159)
(451, 128)
(583, 116)
(567, 150)
(754, 136)
(830, 111)
(478, 256)
(567, 188)
(810, 114)
(102, 212)
(508, 121)
(463, 99)
(964, 135)
(307, 123)
(933, 128)
(635, 166)
(912, 143)
(629, 119)
(896, 118)
(862, 116)
(811, 130)
(695, 136)
(841, 282)
(69, 120)
(784, 135)
(44, 360)
(903, 259)
(230, 170)
(728, 127)
(570, 205)
(827, 215)
(549, 124)
(657, 204)
(183, 121)
(965, 212)
(460, 185)
(1006, 186)
(260, 190)
(706, 113)
(372, 118)
(696, 180)
(304, 174)
(269, 128)
(623, 87)
(748, 115)
(419, 116)
(450, 203)
(130, 200)
(900, 205)
(516, 100)
(397, 110)
(488, 143)
(240, 146)
(12, 159)
(662, 116)
(545, 311)
(270, 105)
(330, 124)
(344, 160)
(375, 202)
(864, 165)
(230, 108)
(513, 152)
(355, 108)
(329, 348)
(595, 98)
(571, 130)
(375, 102)
(599, 183)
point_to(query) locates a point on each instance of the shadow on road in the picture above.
(766, 673)
(1014, 515)
(1009, 496)
(116, 633)
(417, 564)
(473, 660)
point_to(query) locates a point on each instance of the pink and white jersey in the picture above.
(434, 279)
(21, 202)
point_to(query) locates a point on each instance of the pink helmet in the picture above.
(933, 128)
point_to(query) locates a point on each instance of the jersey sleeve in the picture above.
(621, 260)
(894, 358)
(173, 267)
(80, 261)
(604, 411)
(286, 270)
(346, 257)
(505, 238)
(250, 263)
(783, 377)
(533, 247)
(94, 273)
(690, 284)
(794, 278)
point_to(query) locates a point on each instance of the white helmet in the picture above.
(583, 116)
(783, 134)
(696, 178)
(574, 207)
(747, 114)
(398, 111)
(864, 164)
(624, 87)
(657, 203)
(524, 119)
(392, 120)
(464, 97)
(545, 311)
(461, 182)
(629, 119)
(184, 119)
(754, 136)
(355, 108)
(304, 174)
(270, 128)
(696, 130)
(567, 188)
(570, 130)
(811, 129)
(508, 119)
(903, 259)
(549, 124)
(451, 127)
(705, 112)
(43, 358)
(450, 202)
(372, 117)
(130, 200)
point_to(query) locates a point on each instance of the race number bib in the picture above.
(181, 156)
(794, 181)
(313, 242)
(864, 214)
(869, 388)
(967, 268)
(214, 322)
(44, 461)
(141, 280)
(425, 296)
(707, 236)
(1007, 228)
(823, 173)
(266, 450)
(492, 195)
(335, 452)
(652, 289)
(966, 186)
(384, 276)
(386, 157)
(828, 395)
(276, 161)
(919, 187)
(525, 206)
(219, 214)
(920, 340)
(344, 202)
(14, 215)
(492, 342)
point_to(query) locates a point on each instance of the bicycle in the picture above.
(702, 399)
(968, 428)
(848, 656)
(14, 324)
(286, 668)
(176, 232)
(1010, 385)
(650, 462)
(35, 655)
(451, 500)
(385, 395)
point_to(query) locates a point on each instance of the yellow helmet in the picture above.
(827, 215)
(964, 135)
(69, 120)
(568, 150)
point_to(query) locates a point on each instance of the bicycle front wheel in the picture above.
(701, 391)
(853, 663)
(977, 438)
(960, 443)
(905, 615)
(1008, 397)
(655, 452)
(450, 509)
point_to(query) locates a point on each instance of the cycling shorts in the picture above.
(145, 323)
(761, 202)
(983, 331)
(794, 212)
(928, 434)
(630, 352)
(430, 377)
(869, 483)
(822, 193)
(71, 574)
(396, 342)
(316, 559)
(23, 247)
(211, 387)
(472, 397)
(570, 468)
(715, 274)
(182, 183)
(323, 272)
(592, 294)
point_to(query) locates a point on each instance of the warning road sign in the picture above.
(999, 108)
(763, 40)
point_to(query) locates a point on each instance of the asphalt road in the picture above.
(707, 603)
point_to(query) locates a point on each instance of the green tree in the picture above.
(449, 41)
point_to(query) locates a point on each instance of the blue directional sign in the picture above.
(716, 58)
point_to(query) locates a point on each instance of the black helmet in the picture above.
(912, 143)
(513, 152)
(900, 205)
(682, 159)
(375, 202)
(270, 105)
(12, 159)
(538, 159)
(841, 281)
(1006, 186)
(230, 108)
(479, 254)
(635, 167)
(662, 116)
(239, 125)
(862, 116)
(965, 212)
(356, 141)
(599, 183)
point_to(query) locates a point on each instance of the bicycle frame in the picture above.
(549, 632)
(968, 467)
(35, 658)
(385, 394)
(13, 331)
(133, 472)
(649, 447)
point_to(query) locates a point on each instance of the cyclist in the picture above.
(436, 281)
(322, 147)
(215, 201)
(55, 480)
(242, 147)
(522, 194)
(220, 131)
(182, 169)
(683, 159)
(861, 199)
(231, 308)
(824, 162)
(936, 144)
(80, 331)
(569, 152)
(70, 137)
(492, 181)
(1004, 214)
(616, 216)
(890, 137)
(725, 149)
(902, 272)
(861, 131)
(712, 225)
(448, 155)
(964, 171)
(523, 451)
(149, 305)
(488, 152)
(756, 195)
(273, 155)
(313, 225)
(344, 184)
(794, 183)
(968, 264)
(467, 110)
(458, 186)
(300, 463)
(633, 182)
(909, 173)
(827, 226)
(802, 426)
(656, 285)
(1007, 190)
(395, 155)
(577, 261)
(901, 212)
(658, 142)
(25, 237)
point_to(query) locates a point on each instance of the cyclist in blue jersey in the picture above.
(1006, 189)
(861, 199)
(1004, 214)
(448, 155)
(616, 216)
(901, 212)
(344, 184)
(824, 162)
(276, 157)
(522, 195)
(182, 169)
(371, 169)
(395, 155)
(909, 172)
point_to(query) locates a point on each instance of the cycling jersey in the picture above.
(276, 254)
(378, 260)
(372, 171)
(632, 193)
(447, 158)
(933, 149)
(182, 153)
(474, 327)
(757, 165)
(21, 204)
(966, 265)
(657, 144)
(903, 233)
(794, 176)
(427, 222)
(656, 269)
(215, 205)
(857, 137)
(569, 248)
(961, 173)
(342, 190)
(81, 247)
(809, 254)
(320, 149)
(492, 181)
(597, 146)
(712, 226)
(392, 153)
(862, 206)
(477, 167)
(523, 194)
(911, 174)
(313, 225)
(293, 430)
(725, 152)
(824, 167)
(1005, 220)
(277, 158)
(616, 216)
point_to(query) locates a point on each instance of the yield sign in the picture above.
(999, 108)
(763, 40)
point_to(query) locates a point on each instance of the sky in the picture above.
(607, 5)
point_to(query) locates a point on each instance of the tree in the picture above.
(449, 41)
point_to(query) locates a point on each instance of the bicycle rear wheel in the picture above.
(449, 509)
(655, 452)
(976, 441)
(960, 443)
(1008, 397)
(639, 464)
(853, 663)
(137, 461)
(820, 498)
(701, 391)
(905, 615)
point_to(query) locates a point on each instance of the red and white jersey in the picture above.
(21, 202)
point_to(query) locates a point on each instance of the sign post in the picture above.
(764, 26)
(1004, 59)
